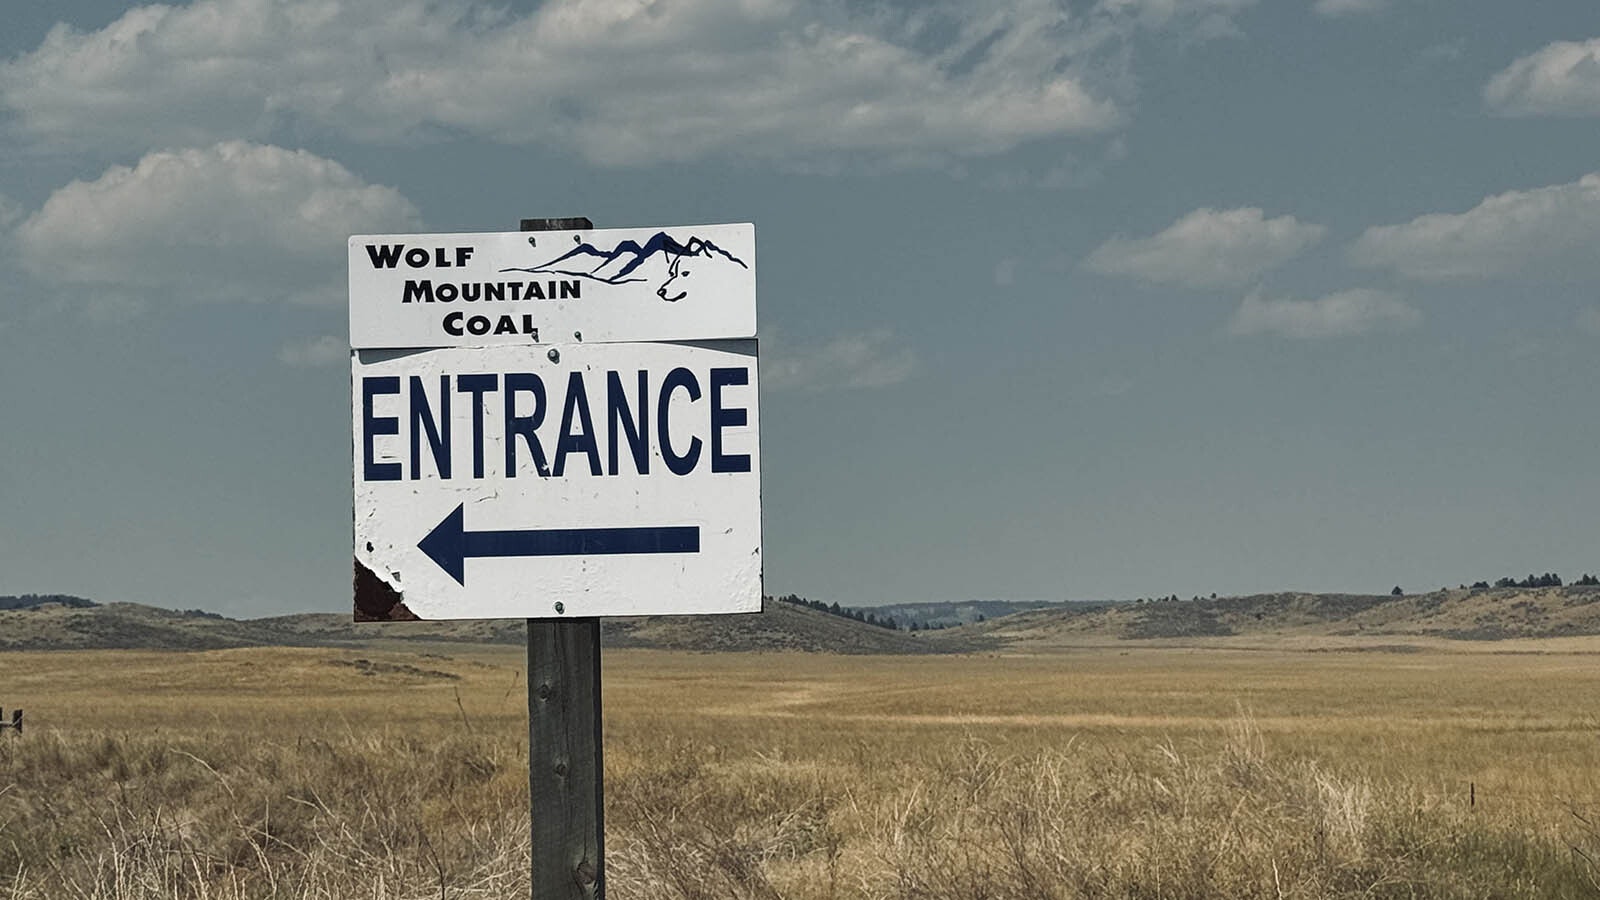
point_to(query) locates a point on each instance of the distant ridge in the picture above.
(47, 622)
(130, 626)
(948, 614)
(1468, 614)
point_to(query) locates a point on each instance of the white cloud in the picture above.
(1336, 8)
(1560, 79)
(231, 222)
(872, 359)
(1503, 234)
(325, 350)
(619, 81)
(1341, 314)
(1005, 272)
(1207, 248)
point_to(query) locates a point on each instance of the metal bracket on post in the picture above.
(565, 777)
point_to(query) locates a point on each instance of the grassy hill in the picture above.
(126, 626)
(1462, 615)
(781, 626)
(1492, 614)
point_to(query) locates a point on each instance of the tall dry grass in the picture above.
(235, 816)
(739, 778)
(970, 821)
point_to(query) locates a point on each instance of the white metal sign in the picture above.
(693, 282)
(571, 480)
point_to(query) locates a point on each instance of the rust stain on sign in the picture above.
(376, 601)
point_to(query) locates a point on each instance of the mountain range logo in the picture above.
(662, 258)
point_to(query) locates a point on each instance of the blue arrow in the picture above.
(450, 544)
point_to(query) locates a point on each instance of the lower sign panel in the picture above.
(580, 480)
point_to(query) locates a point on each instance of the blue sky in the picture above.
(1058, 301)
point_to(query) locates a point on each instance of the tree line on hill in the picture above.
(866, 618)
(34, 601)
(1548, 579)
(1173, 599)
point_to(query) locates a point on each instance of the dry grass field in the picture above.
(1124, 771)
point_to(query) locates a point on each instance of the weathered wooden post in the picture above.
(565, 778)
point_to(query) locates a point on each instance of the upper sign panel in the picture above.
(689, 282)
